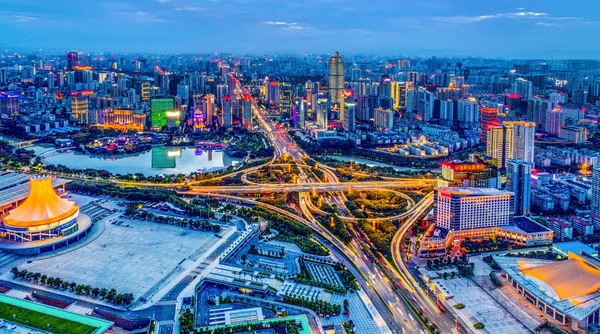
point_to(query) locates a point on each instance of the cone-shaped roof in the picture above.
(42, 206)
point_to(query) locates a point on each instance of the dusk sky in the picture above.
(488, 28)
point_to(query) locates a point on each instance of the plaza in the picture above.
(133, 256)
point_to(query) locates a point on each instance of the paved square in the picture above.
(131, 256)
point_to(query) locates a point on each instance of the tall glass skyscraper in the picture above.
(336, 78)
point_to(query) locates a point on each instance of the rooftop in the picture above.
(528, 225)
(14, 187)
(473, 191)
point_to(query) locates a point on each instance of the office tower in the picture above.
(555, 119)
(500, 142)
(413, 77)
(273, 94)
(183, 92)
(72, 60)
(336, 78)
(122, 119)
(158, 111)
(384, 119)
(425, 105)
(3, 76)
(322, 113)
(475, 174)
(524, 141)
(9, 104)
(247, 111)
(51, 78)
(470, 208)
(226, 112)
(286, 99)
(145, 93)
(350, 117)
(79, 109)
(489, 117)
(596, 190)
(301, 112)
(522, 87)
(447, 112)
(354, 74)
(518, 176)
(208, 109)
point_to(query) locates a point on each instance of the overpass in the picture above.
(313, 187)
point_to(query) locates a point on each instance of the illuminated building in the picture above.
(596, 190)
(226, 112)
(500, 143)
(208, 108)
(79, 109)
(336, 73)
(555, 119)
(468, 111)
(523, 88)
(247, 111)
(322, 113)
(158, 111)
(9, 104)
(469, 174)
(457, 208)
(173, 118)
(286, 99)
(72, 60)
(447, 111)
(350, 117)
(576, 135)
(274, 95)
(145, 91)
(489, 117)
(44, 217)
(518, 173)
(537, 109)
(301, 112)
(122, 119)
(384, 119)
(523, 141)
(566, 292)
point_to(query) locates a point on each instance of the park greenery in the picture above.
(202, 225)
(375, 204)
(379, 234)
(274, 174)
(45, 322)
(347, 278)
(354, 171)
(495, 279)
(544, 255)
(334, 224)
(186, 322)
(14, 158)
(110, 295)
(291, 231)
(285, 326)
(320, 307)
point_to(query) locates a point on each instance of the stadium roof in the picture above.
(42, 206)
(574, 277)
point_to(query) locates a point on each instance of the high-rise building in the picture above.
(226, 112)
(596, 190)
(555, 119)
(518, 176)
(470, 208)
(524, 141)
(79, 109)
(72, 60)
(537, 109)
(145, 91)
(322, 113)
(158, 111)
(273, 95)
(247, 111)
(350, 117)
(384, 119)
(9, 104)
(286, 99)
(3, 76)
(574, 134)
(467, 111)
(336, 78)
(476, 174)
(522, 87)
(500, 143)
(447, 111)
(489, 117)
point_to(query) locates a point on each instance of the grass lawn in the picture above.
(42, 321)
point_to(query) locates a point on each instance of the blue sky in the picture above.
(488, 28)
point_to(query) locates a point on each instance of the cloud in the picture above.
(521, 15)
(147, 17)
(191, 9)
(162, 1)
(546, 24)
(281, 23)
(18, 18)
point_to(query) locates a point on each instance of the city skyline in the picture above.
(513, 29)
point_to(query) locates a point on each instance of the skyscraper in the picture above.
(226, 112)
(384, 119)
(489, 117)
(523, 88)
(158, 111)
(350, 117)
(247, 111)
(72, 60)
(336, 78)
(79, 109)
(524, 141)
(596, 190)
(500, 142)
(518, 174)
